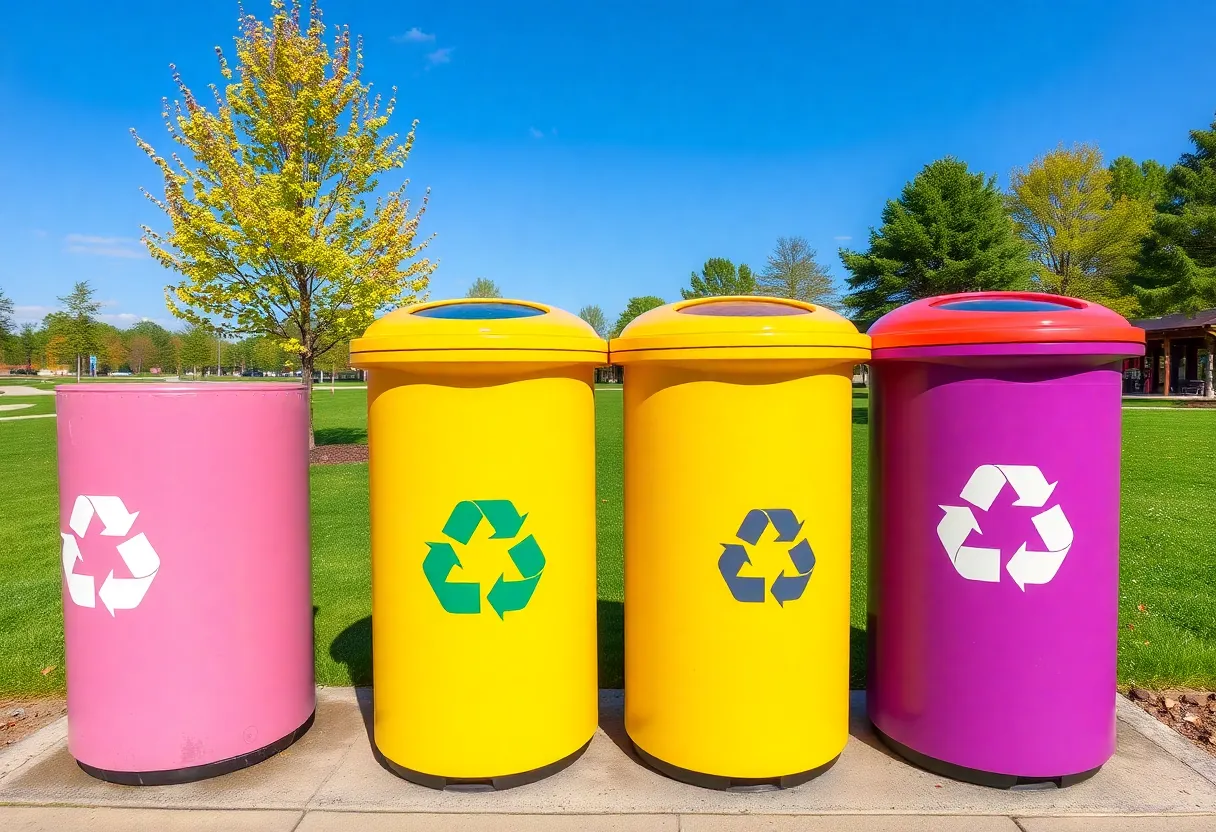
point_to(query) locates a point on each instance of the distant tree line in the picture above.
(66, 339)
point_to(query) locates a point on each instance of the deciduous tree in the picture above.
(140, 351)
(596, 318)
(270, 226)
(720, 277)
(1084, 240)
(793, 272)
(6, 318)
(197, 348)
(483, 287)
(113, 350)
(164, 356)
(635, 306)
(946, 232)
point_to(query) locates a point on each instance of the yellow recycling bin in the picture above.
(737, 482)
(481, 427)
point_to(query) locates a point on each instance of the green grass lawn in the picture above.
(31, 405)
(1168, 557)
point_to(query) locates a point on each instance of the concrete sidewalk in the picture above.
(330, 780)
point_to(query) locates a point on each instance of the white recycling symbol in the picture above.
(1027, 566)
(137, 553)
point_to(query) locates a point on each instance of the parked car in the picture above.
(253, 374)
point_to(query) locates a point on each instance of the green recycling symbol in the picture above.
(464, 597)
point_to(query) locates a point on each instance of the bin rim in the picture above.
(129, 387)
(692, 329)
(974, 318)
(525, 331)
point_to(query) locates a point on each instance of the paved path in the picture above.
(32, 416)
(330, 780)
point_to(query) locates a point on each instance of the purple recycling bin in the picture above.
(994, 534)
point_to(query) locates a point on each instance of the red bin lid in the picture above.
(1001, 318)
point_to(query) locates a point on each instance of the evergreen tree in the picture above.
(719, 277)
(77, 324)
(947, 232)
(1144, 182)
(1177, 265)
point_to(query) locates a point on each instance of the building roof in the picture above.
(1181, 320)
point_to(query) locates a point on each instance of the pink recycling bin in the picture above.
(187, 605)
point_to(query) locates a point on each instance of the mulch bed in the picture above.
(332, 454)
(21, 717)
(1190, 713)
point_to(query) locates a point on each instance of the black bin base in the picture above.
(981, 778)
(175, 776)
(479, 784)
(722, 783)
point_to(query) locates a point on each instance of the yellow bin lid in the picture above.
(478, 330)
(735, 328)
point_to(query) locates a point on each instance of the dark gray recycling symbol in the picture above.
(785, 587)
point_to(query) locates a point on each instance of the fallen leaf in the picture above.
(1141, 607)
(47, 670)
(1131, 626)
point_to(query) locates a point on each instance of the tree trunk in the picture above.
(306, 362)
(78, 368)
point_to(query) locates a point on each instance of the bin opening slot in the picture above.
(743, 309)
(1005, 305)
(480, 311)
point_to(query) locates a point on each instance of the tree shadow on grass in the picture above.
(341, 436)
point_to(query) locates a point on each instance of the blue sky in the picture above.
(584, 153)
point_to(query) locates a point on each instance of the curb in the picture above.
(17, 755)
(1166, 738)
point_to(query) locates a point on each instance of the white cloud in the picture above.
(842, 238)
(414, 35)
(31, 314)
(441, 56)
(99, 246)
(536, 134)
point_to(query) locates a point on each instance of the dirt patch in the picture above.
(21, 717)
(332, 454)
(1190, 713)
(1208, 403)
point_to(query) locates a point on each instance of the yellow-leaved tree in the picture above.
(270, 229)
(1085, 239)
